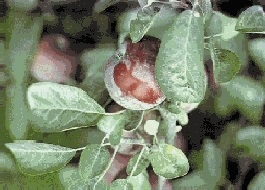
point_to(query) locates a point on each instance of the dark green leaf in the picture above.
(93, 161)
(56, 107)
(256, 49)
(169, 161)
(40, 158)
(142, 164)
(252, 139)
(179, 65)
(251, 20)
(226, 64)
(257, 182)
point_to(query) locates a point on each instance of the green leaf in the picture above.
(121, 184)
(168, 161)
(214, 24)
(93, 161)
(26, 5)
(6, 162)
(179, 65)
(57, 107)
(115, 135)
(94, 62)
(143, 22)
(22, 35)
(257, 182)
(71, 180)
(142, 164)
(229, 37)
(244, 94)
(252, 139)
(163, 19)
(226, 64)
(195, 180)
(40, 158)
(256, 49)
(133, 118)
(108, 123)
(140, 182)
(204, 7)
(213, 162)
(101, 5)
(251, 20)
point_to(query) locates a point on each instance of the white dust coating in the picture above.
(145, 73)
(115, 92)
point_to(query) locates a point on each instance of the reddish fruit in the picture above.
(130, 79)
(54, 61)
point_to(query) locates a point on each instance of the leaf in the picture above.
(40, 158)
(257, 182)
(57, 107)
(226, 64)
(116, 134)
(101, 5)
(108, 123)
(143, 162)
(213, 162)
(163, 19)
(71, 180)
(195, 180)
(93, 161)
(204, 7)
(252, 139)
(251, 20)
(140, 182)
(230, 37)
(214, 24)
(121, 184)
(179, 65)
(133, 118)
(256, 49)
(244, 94)
(143, 22)
(22, 35)
(168, 161)
(6, 162)
(94, 62)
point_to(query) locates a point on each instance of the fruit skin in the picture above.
(54, 62)
(130, 78)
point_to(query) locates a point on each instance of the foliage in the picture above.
(72, 120)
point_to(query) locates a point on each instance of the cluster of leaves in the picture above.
(191, 34)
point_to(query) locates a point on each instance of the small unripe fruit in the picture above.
(130, 79)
